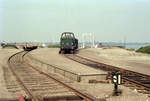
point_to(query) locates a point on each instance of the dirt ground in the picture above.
(98, 90)
(4, 55)
(51, 55)
(119, 57)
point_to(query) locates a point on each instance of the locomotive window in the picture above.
(64, 35)
(67, 35)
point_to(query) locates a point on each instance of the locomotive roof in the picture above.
(68, 33)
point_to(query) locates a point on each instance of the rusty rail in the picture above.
(79, 93)
(127, 74)
(20, 81)
(29, 92)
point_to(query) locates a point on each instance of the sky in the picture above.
(45, 20)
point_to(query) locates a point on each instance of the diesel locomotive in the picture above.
(68, 43)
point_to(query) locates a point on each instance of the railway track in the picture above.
(138, 81)
(41, 86)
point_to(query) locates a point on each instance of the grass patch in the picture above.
(131, 49)
(145, 49)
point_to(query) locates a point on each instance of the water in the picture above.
(137, 46)
(127, 45)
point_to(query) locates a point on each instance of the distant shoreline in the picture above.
(127, 45)
(134, 45)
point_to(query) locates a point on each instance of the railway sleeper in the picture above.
(13, 87)
(145, 82)
(137, 79)
(144, 91)
(50, 93)
(14, 90)
(63, 98)
(131, 76)
(138, 87)
(43, 85)
(45, 88)
(42, 89)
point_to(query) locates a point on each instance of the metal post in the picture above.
(115, 89)
(116, 79)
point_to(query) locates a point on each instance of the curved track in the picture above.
(130, 78)
(39, 85)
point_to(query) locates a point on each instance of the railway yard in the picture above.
(74, 50)
(45, 75)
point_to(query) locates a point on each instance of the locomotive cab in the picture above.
(68, 43)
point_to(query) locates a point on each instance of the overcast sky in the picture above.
(45, 20)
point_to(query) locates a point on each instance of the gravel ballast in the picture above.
(98, 90)
(122, 58)
(4, 70)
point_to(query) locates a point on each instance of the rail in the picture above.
(29, 92)
(79, 93)
(136, 78)
(19, 80)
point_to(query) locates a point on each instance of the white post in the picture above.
(93, 41)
